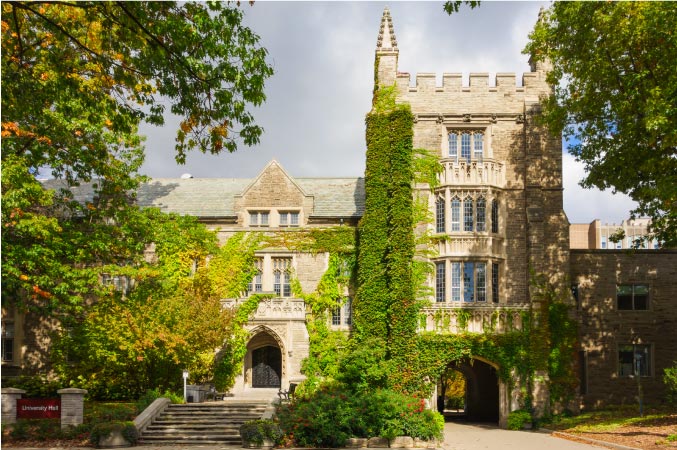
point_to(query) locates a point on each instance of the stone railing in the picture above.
(475, 244)
(273, 308)
(473, 173)
(450, 318)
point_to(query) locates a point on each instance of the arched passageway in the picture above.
(480, 390)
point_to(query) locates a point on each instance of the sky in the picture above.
(323, 56)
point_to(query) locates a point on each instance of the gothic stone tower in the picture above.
(498, 209)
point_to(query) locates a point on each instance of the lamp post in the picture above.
(185, 378)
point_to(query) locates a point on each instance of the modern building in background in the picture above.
(628, 234)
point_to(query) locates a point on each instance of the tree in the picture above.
(612, 65)
(77, 79)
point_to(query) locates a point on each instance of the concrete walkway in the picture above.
(464, 436)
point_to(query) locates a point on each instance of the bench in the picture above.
(287, 394)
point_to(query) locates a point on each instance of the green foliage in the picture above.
(670, 381)
(256, 431)
(102, 430)
(518, 419)
(36, 386)
(332, 414)
(40, 430)
(453, 6)
(153, 394)
(386, 304)
(614, 97)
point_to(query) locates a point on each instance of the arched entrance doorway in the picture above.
(480, 401)
(264, 365)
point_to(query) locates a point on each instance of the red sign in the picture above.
(38, 408)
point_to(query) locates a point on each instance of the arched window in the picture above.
(481, 212)
(439, 215)
(455, 214)
(494, 216)
(467, 214)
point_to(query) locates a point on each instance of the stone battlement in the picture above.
(478, 82)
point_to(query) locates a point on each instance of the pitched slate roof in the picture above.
(214, 197)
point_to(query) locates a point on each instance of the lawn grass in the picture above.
(609, 419)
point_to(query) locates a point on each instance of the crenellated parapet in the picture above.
(478, 82)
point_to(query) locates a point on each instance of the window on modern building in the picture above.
(289, 219)
(258, 218)
(7, 341)
(467, 214)
(494, 282)
(455, 214)
(494, 216)
(481, 214)
(256, 285)
(632, 297)
(440, 282)
(634, 360)
(282, 276)
(439, 215)
(603, 241)
(619, 244)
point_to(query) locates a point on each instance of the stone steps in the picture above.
(202, 423)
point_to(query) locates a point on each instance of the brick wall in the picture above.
(603, 327)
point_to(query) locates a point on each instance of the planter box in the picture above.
(267, 443)
(357, 443)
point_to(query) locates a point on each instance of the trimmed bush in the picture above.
(670, 380)
(518, 418)
(257, 431)
(332, 414)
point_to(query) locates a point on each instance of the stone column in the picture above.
(72, 406)
(9, 398)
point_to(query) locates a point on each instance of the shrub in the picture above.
(35, 386)
(332, 414)
(256, 431)
(670, 380)
(153, 394)
(101, 430)
(518, 418)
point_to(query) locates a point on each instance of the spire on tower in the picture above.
(386, 35)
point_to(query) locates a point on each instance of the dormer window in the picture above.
(289, 219)
(258, 218)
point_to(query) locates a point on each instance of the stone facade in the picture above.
(498, 218)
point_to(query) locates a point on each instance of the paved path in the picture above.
(457, 436)
(463, 436)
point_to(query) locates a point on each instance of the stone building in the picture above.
(498, 217)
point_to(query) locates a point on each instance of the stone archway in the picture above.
(264, 365)
(482, 389)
